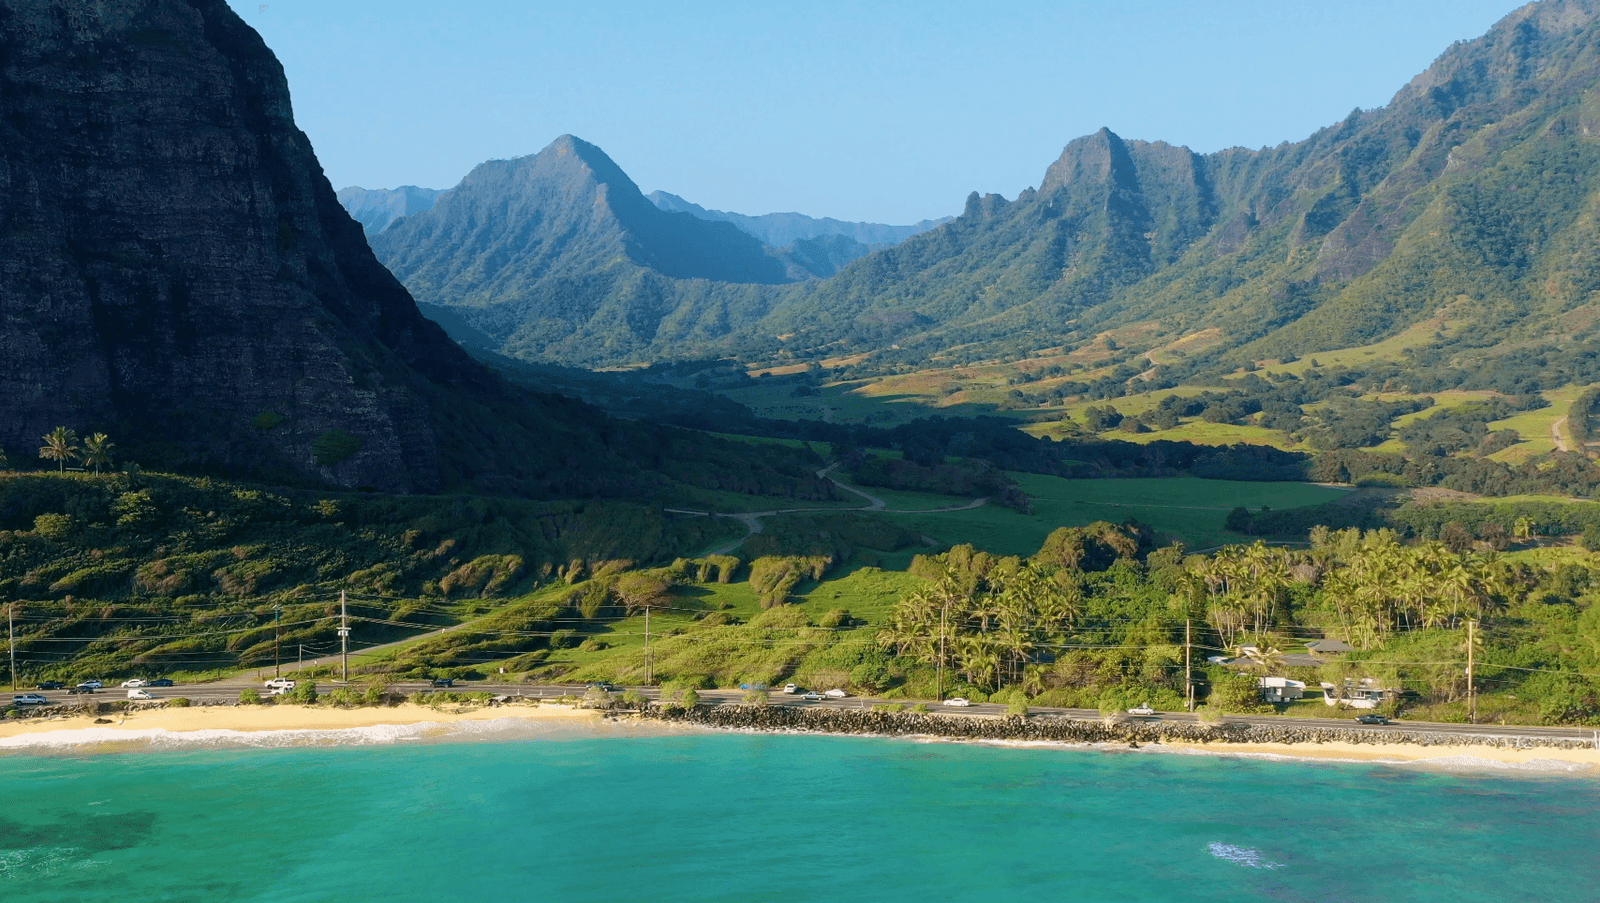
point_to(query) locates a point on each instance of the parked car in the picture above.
(957, 701)
(139, 694)
(50, 685)
(90, 685)
(29, 699)
(836, 693)
(280, 683)
(159, 682)
(791, 689)
(600, 685)
(1371, 719)
(81, 688)
(813, 697)
(752, 686)
(444, 681)
(133, 684)
(1142, 708)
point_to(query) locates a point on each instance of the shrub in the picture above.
(633, 699)
(334, 446)
(180, 702)
(920, 708)
(757, 698)
(250, 697)
(304, 693)
(1017, 708)
(690, 698)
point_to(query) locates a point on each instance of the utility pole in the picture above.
(344, 638)
(647, 662)
(277, 635)
(1472, 696)
(1188, 669)
(11, 641)
(300, 656)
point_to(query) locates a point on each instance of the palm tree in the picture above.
(97, 451)
(60, 445)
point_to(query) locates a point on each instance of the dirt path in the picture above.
(752, 519)
(1555, 433)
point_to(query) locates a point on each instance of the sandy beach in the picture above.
(287, 718)
(1402, 752)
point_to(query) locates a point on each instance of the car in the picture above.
(957, 701)
(836, 693)
(752, 686)
(159, 682)
(277, 691)
(280, 683)
(1371, 719)
(1142, 708)
(29, 699)
(50, 685)
(91, 685)
(444, 681)
(139, 694)
(80, 689)
(133, 684)
(600, 685)
(813, 697)
(790, 689)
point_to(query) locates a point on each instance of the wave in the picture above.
(102, 739)
(1244, 856)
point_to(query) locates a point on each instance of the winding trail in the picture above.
(752, 519)
(1555, 433)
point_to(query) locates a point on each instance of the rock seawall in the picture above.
(1067, 730)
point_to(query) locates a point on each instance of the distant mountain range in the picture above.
(784, 229)
(376, 208)
(1472, 201)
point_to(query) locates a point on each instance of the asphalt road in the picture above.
(231, 688)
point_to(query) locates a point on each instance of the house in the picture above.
(1329, 647)
(1363, 694)
(1280, 689)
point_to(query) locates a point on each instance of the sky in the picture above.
(885, 111)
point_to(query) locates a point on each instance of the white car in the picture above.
(280, 683)
(1142, 708)
(29, 699)
(791, 689)
(139, 694)
(957, 701)
(836, 693)
(90, 685)
(132, 684)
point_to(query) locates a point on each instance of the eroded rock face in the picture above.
(176, 271)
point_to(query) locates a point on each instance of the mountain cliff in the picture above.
(179, 274)
(376, 208)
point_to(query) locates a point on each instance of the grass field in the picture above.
(1189, 508)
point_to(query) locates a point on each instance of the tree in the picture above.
(60, 446)
(97, 451)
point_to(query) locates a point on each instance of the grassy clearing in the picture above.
(1189, 508)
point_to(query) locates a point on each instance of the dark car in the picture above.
(82, 689)
(159, 682)
(600, 685)
(1371, 719)
(444, 681)
(50, 685)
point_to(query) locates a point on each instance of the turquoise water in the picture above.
(567, 813)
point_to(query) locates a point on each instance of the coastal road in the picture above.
(229, 690)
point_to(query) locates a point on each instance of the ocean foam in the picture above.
(1244, 856)
(103, 739)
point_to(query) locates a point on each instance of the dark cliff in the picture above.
(178, 273)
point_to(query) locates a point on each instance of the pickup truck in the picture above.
(280, 683)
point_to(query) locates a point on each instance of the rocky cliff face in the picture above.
(176, 271)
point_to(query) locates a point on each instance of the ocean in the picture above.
(514, 811)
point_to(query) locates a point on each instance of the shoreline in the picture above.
(204, 722)
(283, 717)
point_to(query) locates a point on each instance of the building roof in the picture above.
(1330, 646)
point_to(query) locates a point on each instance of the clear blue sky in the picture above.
(884, 111)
